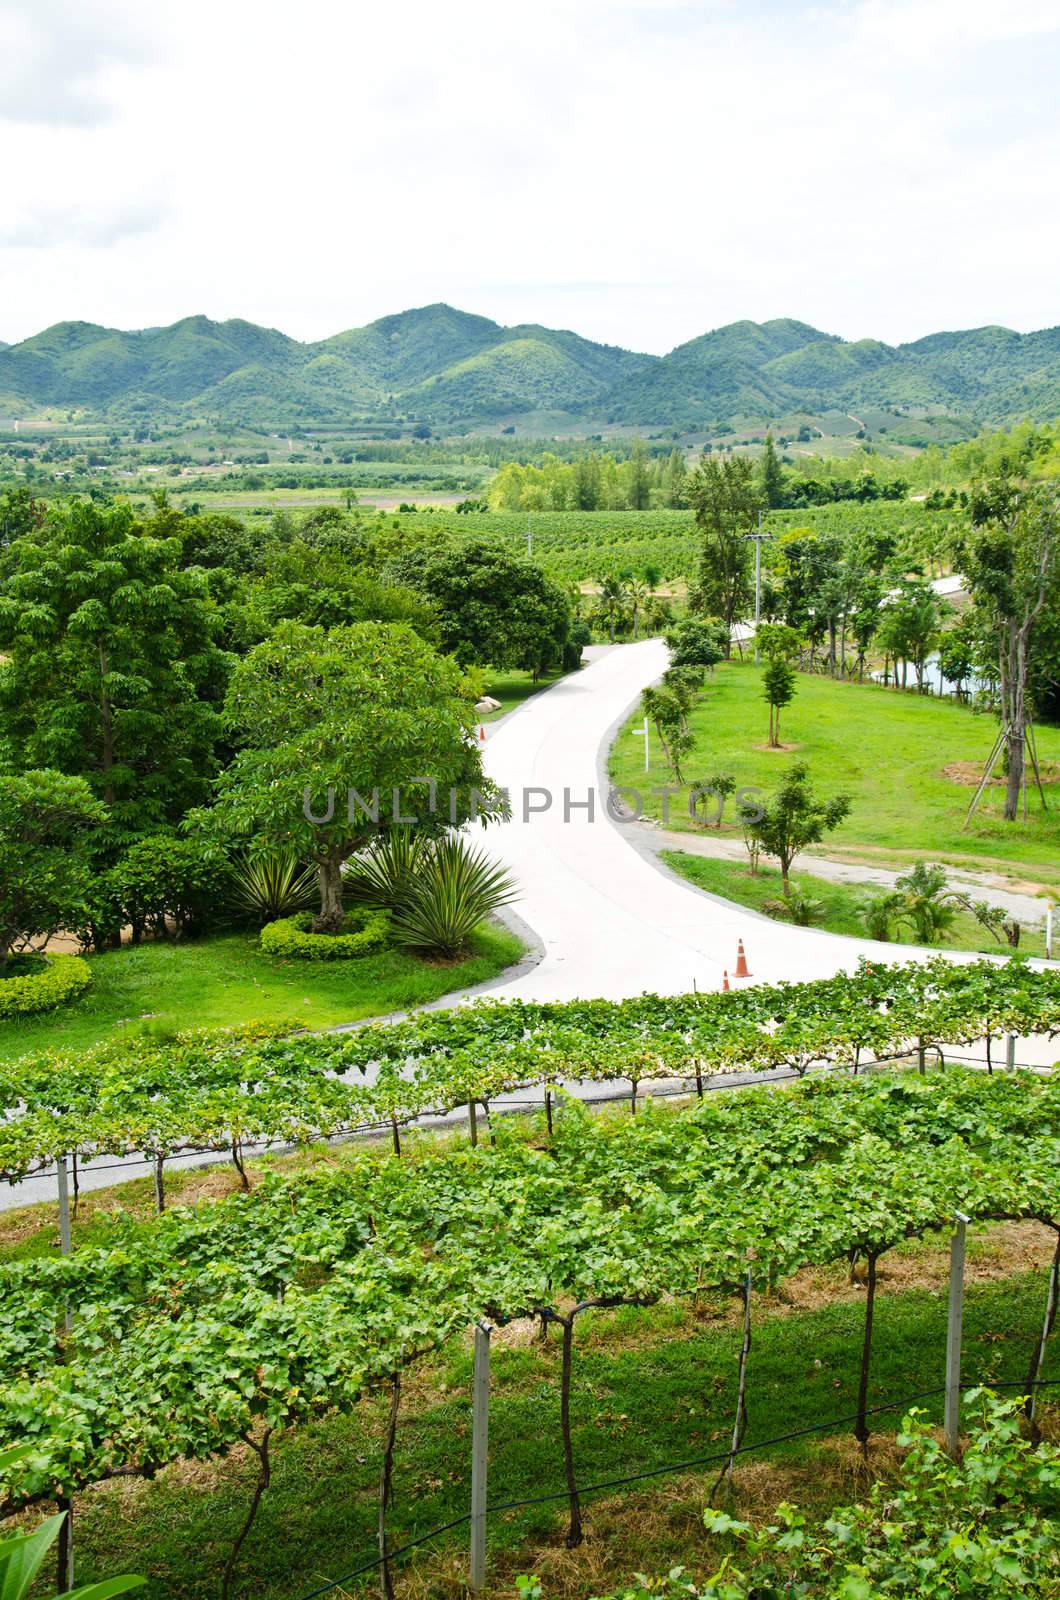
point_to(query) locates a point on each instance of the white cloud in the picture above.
(640, 170)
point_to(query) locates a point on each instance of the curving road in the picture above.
(612, 920)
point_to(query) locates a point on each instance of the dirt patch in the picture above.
(776, 749)
(970, 774)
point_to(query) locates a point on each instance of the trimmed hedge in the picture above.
(363, 930)
(61, 979)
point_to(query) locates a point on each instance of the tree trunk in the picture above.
(106, 714)
(861, 1428)
(329, 878)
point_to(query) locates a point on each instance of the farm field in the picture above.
(651, 1386)
(225, 980)
(895, 754)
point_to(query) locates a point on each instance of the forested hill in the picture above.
(442, 367)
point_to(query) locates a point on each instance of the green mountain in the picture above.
(443, 366)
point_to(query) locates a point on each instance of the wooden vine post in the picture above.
(386, 1491)
(739, 1426)
(955, 1317)
(480, 1405)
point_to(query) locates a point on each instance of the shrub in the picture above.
(273, 886)
(363, 930)
(164, 884)
(454, 888)
(59, 980)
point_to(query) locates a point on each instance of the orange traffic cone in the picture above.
(725, 983)
(482, 733)
(742, 970)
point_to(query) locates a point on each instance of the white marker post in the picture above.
(1048, 930)
(480, 1409)
(953, 1338)
(65, 1240)
(637, 732)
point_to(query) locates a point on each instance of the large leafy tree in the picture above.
(45, 876)
(726, 500)
(493, 607)
(1012, 564)
(111, 669)
(331, 725)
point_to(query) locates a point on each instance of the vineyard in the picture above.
(583, 546)
(264, 1311)
(224, 1090)
(185, 1337)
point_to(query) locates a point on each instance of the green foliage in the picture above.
(279, 1306)
(163, 885)
(792, 819)
(111, 670)
(331, 725)
(272, 886)
(451, 889)
(667, 707)
(59, 980)
(45, 878)
(986, 1525)
(726, 502)
(360, 932)
(493, 607)
(697, 642)
(23, 1554)
(778, 689)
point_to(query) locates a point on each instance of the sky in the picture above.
(640, 170)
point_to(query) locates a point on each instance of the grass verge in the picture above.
(841, 902)
(226, 979)
(893, 753)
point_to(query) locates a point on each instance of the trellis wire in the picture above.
(659, 1472)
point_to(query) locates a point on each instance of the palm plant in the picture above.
(455, 886)
(273, 886)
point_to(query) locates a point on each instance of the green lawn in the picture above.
(513, 688)
(226, 979)
(650, 1387)
(887, 750)
(841, 901)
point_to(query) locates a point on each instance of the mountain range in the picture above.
(449, 368)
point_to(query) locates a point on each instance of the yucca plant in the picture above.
(455, 886)
(22, 1555)
(274, 885)
(380, 878)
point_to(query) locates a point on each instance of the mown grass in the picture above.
(513, 689)
(841, 902)
(226, 979)
(887, 750)
(651, 1387)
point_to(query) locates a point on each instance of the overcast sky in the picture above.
(641, 170)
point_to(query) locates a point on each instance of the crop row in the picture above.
(221, 1090)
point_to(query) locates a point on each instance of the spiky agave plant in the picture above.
(455, 886)
(274, 885)
(381, 876)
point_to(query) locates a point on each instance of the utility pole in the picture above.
(758, 537)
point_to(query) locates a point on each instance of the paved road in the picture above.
(613, 921)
